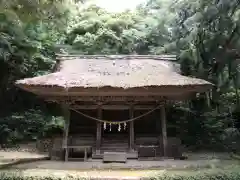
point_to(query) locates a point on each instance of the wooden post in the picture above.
(66, 115)
(208, 101)
(85, 154)
(158, 130)
(131, 129)
(164, 130)
(99, 131)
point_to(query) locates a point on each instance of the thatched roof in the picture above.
(120, 71)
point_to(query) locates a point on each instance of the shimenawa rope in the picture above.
(107, 121)
(115, 122)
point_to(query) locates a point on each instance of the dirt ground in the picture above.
(130, 164)
(11, 156)
(107, 174)
(133, 169)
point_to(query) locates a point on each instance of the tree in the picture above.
(100, 32)
(28, 32)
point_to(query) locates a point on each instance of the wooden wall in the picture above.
(147, 124)
(82, 125)
(150, 124)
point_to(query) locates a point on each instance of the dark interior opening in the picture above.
(115, 115)
(81, 124)
(149, 124)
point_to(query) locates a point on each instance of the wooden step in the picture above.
(115, 156)
(117, 143)
(114, 144)
(115, 140)
(130, 155)
(114, 149)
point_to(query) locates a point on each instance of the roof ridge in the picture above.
(112, 57)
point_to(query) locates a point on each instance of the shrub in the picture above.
(231, 139)
(19, 176)
(223, 175)
(28, 126)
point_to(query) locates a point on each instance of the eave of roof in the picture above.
(117, 71)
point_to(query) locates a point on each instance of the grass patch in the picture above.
(227, 173)
(198, 175)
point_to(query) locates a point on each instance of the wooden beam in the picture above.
(66, 115)
(164, 130)
(99, 130)
(114, 107)
(107, 98)
(131, 129)
(119, 98)
(112, 91)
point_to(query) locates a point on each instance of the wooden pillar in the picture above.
(208, 101)
(66, 115)
(99, 131)
(164, 131)
(131, 129)
(158, 130)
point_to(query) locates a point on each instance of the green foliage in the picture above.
(231, 139)
(201, 176)
(203, 33)
(28, 32)
(19, 176)
(101, 32)
(207, 34)
(27, 126)
(25, 10)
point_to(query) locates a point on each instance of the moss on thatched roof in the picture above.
(118, 71)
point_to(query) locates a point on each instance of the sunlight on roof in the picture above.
(118, 5)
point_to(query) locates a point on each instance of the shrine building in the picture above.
(114, 105)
